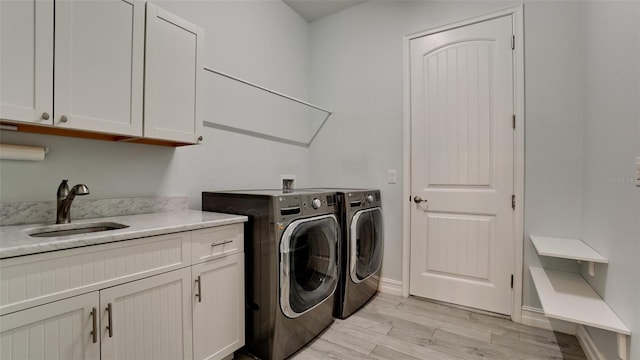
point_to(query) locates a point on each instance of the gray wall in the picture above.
(264, 42)
(611, 200)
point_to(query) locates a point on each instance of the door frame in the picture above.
(518, 77)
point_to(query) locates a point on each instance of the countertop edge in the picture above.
(143, 225)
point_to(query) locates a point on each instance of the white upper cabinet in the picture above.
(99, 64)
(98, 78)
(173, 68)
(26, 61)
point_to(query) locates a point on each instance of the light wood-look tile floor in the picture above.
(396, 328)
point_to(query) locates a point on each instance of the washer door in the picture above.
(308, 264)
(366, 242)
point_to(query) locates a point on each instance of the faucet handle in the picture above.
(63, 188)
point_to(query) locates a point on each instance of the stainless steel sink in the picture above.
(74, 229)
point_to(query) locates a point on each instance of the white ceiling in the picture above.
(315, 9)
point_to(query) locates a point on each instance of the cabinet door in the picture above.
(99, 59)
(218, 307)
(148, 318)
(173, 67)
(60, 330)
(26, 60)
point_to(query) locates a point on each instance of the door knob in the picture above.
(418, 199)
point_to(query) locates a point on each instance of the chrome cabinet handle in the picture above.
(63, 118)
(221, 243)
(45, 116)
(110, 325)
(199, 293)
(94, 331)
(418, 199)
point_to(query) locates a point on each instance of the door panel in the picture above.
(462, 165)
(218, 312)
(457, 97)
(174, 51)
(26, 60)
(150, 318)
(60, 329)
(99, 65)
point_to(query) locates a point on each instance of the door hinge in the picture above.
(513, 202)
(513, 42)
(514, 121)
(512, 281)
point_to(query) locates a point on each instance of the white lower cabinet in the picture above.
(167, 315)
(218, 307)
(148, 318)
(144, 319)
(58, 330)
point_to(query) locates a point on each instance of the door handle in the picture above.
(109, 310)
(94, 331)
(418, 199)
(199, 293)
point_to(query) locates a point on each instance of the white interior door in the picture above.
(462, 165)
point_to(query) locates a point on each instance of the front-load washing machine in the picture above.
(291, 265)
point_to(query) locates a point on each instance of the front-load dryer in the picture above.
(291, 265)
(361, 250)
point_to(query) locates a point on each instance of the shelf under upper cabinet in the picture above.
(566, 248)
(567, 296)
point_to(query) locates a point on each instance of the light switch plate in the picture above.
(392, 177)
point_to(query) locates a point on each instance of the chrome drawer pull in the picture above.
(221, 243)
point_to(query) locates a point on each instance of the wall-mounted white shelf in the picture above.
(567, 249)
(567, 296)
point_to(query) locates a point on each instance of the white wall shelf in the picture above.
(567, 296)
(567, 249)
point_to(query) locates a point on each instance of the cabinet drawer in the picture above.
(36, 279)
(215, 242)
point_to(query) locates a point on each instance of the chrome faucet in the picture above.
(65, 198)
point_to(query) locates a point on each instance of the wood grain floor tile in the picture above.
(383, 353)
(396, 328)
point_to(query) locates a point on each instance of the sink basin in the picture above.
(74, 229)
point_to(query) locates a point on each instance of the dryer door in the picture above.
(366, 243)
(308, 264)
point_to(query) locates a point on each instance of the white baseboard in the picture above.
(588, 346)
(391, 287)
(535, 317)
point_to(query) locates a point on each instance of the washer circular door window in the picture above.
(365, 244)
(308, 264)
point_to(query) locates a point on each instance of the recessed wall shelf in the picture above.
(567, 296)
(568, 249)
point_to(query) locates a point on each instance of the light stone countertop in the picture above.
(15, 241)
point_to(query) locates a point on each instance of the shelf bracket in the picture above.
(622, 346)
(592, 267)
